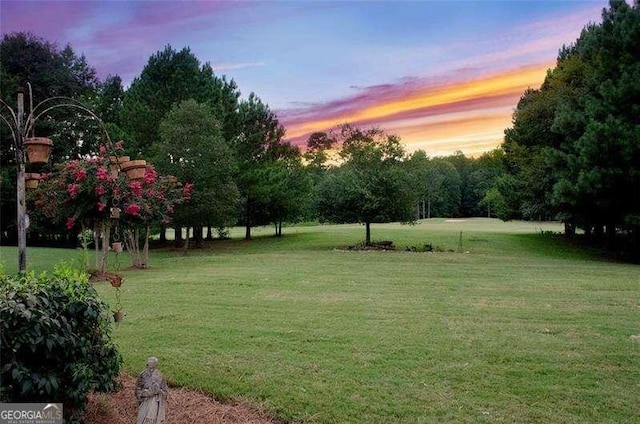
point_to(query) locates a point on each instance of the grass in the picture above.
(518, 327)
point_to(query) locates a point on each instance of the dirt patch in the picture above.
(183, 406)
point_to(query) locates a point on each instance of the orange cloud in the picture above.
(467, 115)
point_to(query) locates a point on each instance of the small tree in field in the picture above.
(372, 185)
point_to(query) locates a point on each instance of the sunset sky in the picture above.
(443, 75)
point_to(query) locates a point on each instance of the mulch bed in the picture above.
(183, 406)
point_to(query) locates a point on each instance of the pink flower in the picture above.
(132, 209)
(79, 175)
(119, 144)
(186, 190)
(169, 209)
(70, 223)
(103, 174)
(103, 149)
(101, 206)
(117, 192)
(150, 175)
(72, 189)
(99, 190)
(73, 164)
(136, 188)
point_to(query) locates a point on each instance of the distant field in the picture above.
(505, 323)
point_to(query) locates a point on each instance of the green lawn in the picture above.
(504, 324)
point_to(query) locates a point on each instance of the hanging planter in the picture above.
(31, 180)
(135, 169)
(118, 316)
(115, 280)
(115, 213)
(115, 164)
(38, 149)
(116, 246)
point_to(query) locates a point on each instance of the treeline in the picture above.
(194, 124)
(572, 153)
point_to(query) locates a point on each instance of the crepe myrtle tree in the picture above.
(87, 194)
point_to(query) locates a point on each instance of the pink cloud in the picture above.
(438, 112)
(20, 16)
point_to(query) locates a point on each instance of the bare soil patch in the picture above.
(184, 406)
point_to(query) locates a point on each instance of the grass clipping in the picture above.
(183, 406)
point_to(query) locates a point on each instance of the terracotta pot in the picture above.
(115, 280)
(115, 213)
(38, 149)
(115, 164)
(118, 316)
(135, 169)
(116, 246)
(31, 180)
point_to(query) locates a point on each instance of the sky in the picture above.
(443, 75)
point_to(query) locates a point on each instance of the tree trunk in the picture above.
(145, 248)
(85, 248)
(429, 208)
(247, 233)
(177, 239)
(96, 243)
(197, 235)
(209, 233)
(569, 229)
(367, 238)
(186, 240)
(133, 246)
(163, 234)
(598, 231)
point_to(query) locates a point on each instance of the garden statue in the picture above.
(151, 393)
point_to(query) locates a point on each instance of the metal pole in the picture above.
(21, 198)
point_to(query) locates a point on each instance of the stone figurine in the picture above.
(151, 393)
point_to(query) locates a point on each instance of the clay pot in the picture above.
(116, 246)
(115, 164)
(115, 213)
(38, 149)
(115, 280)
(31, 180)
(118, 316)
(135, 169)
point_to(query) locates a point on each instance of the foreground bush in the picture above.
(56, 344)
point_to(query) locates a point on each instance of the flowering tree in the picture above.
(149, 201)
(92, 193)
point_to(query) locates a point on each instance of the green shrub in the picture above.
(55, 340)
(427, 247)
